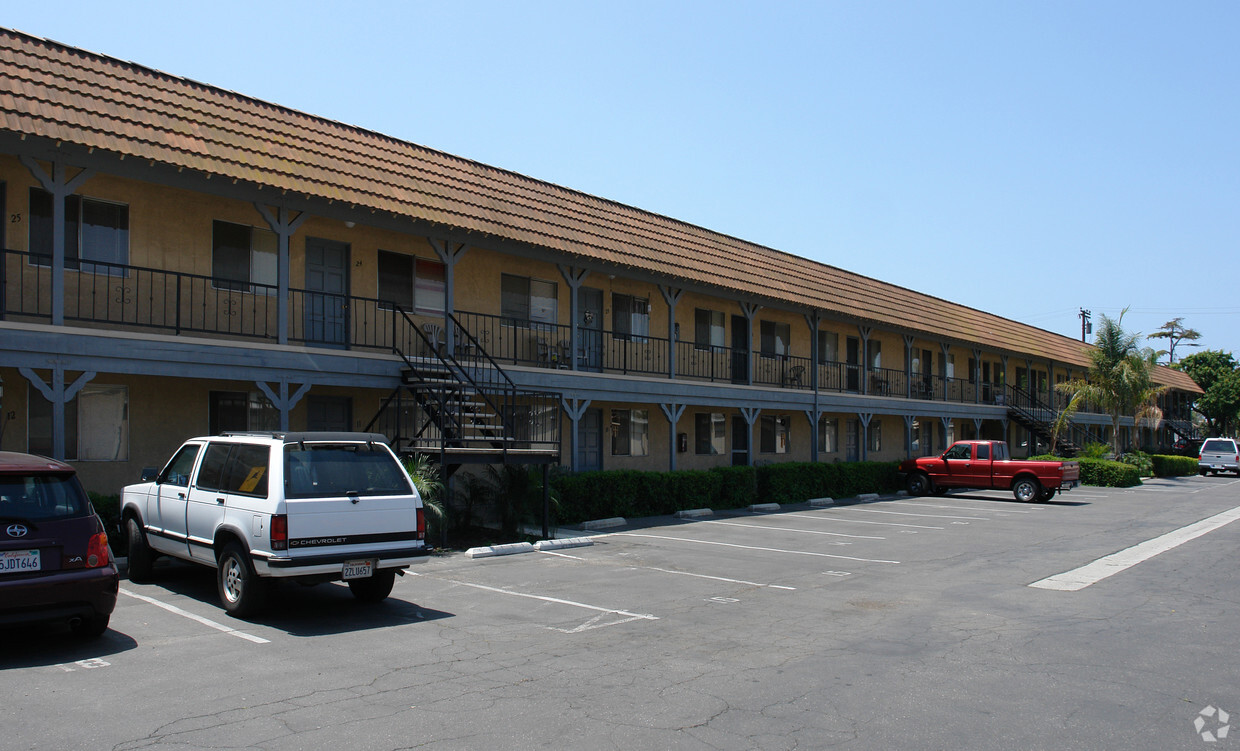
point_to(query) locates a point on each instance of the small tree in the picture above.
(1119, 378)
(1217, 373)
(1174, 332)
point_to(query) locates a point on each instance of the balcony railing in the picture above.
(127, 297)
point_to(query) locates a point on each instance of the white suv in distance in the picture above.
(1218, 455)
(313, 507)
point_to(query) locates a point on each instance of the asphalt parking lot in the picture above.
(900, 623)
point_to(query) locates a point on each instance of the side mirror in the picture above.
(149, 473)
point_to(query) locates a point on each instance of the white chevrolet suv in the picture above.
(313, 507)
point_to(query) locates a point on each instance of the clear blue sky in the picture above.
(1024, 158)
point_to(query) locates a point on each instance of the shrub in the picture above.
(109, 509)
(1108, 474)
(630, 493)
(738, 487)
(797, 482)
(1094, 451)
(1173, 466)
(1141, 461)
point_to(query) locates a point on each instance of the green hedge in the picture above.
(1101, 472)
(631, 493)
(1174, 466)
(1108, 474)
(797, 482)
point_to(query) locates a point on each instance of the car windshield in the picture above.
(321, 470)
(40, 497)
(1218, 445)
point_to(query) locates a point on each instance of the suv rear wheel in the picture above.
(241, 591)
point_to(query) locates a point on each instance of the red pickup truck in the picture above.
(987, 465)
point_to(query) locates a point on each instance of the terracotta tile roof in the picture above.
(62, 93)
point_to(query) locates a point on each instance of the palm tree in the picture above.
(1119, 378)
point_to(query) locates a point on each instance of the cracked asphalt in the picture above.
(901, 623)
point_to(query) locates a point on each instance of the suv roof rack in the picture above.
(309, 435)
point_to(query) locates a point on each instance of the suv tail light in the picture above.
(97, 550)
(279, 532)
(421, 524)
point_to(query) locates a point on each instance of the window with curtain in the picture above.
(244, 258)
(708, 433)
(630, 317)
(774, 434)
(630, 432)
(828, 346)
(524, 300)
(708, 329)
(413, 284)
(96, 424)
(95, 230)
(828, 435)
(776, 338)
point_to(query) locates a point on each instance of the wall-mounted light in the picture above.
(350, 225)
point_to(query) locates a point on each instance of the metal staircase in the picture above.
(458, 405)
(1183, 428)
(1037, 417)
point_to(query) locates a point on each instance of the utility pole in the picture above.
(1086, 326)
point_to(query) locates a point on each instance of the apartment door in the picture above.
(327, 284)
(590, 441)
(852, 441)
(590, 329)
(853, 356)
(740, 349)
(740, 441)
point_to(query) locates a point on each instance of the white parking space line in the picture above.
(715, 578)
(750, 547)
(790, 529)
(924, 504)
(543, 598)
(830, 518)
(909, 513)
(1092, 573)
(204, 621)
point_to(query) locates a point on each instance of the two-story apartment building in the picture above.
(180, 260)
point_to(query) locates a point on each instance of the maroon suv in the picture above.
(54, 560)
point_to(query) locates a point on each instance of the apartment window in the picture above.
(876, 436)
(972, 370)
(630, 432)
(828, 435)
(96, 424)
(775, 433)
(243, 258)
(240, 410)
(523, 300)
(630, 317)
(874, 353)
(776, 338)
(828, 347)
(708, 329)
(708, 433)
(413, 284)
(95, 231)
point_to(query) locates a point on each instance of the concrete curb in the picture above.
(569, 542)
(868, 497)
(760, 508)
(694, 513)
(821, 502)
(615, 521)
(510, 549)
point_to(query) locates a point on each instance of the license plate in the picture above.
(19, 561)
(358, 569)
